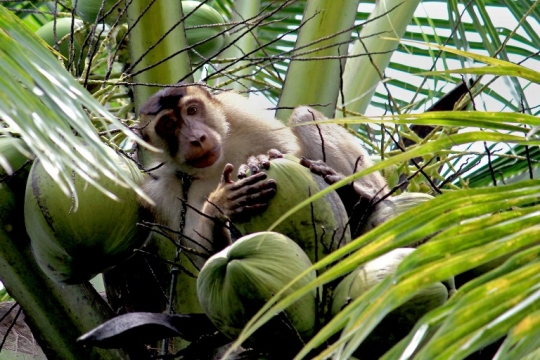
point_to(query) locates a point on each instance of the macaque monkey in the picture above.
(205, 137)
(200, 135)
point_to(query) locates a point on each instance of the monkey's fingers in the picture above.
(264, 159)
(254, 165)
(252, 189)
(226, 175)
(318, 167)
(258, 198)
(251, 166)
(251, 202)
(246, 212)
(332, 179)
(306, 162)
(242, 171)
(250, 180)
(274, 154)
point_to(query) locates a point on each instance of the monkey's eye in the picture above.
(192, 110)
(166, 125)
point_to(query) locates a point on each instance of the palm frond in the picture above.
(54, 120)
(472, 227)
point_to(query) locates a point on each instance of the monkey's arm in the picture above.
(233, 200)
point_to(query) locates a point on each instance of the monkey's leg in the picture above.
(337, 147)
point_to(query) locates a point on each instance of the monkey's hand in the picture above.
(318, 167)
(256, 163)
(354, 191)
(232, 201)
(347, 193)
(359, 199)
(240, 199)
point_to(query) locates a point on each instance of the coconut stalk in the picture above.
(57, 314)
(156, 33)
(390, 19)
(316, 81)
(243, 44)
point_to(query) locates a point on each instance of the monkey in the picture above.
(204, 138)
(199, 133)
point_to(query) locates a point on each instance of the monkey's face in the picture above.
(187, 126)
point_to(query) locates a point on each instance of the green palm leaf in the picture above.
(53, 121)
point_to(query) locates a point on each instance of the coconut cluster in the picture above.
(202, 28)
(235, 283)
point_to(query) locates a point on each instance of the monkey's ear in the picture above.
(152, 106)
(165, 99)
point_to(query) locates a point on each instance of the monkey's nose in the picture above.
(198, 139)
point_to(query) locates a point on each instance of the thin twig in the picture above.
(167, 262)
(491, 171)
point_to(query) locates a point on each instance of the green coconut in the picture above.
(72, 246)
(318, 228)
(13, 155)
(236, 282)
(204, 15)
(401, 320)
(88, 10)
(63, 31)
(394, 206)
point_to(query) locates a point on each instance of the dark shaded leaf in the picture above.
(147, 327)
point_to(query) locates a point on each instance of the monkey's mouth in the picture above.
(208, 159)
